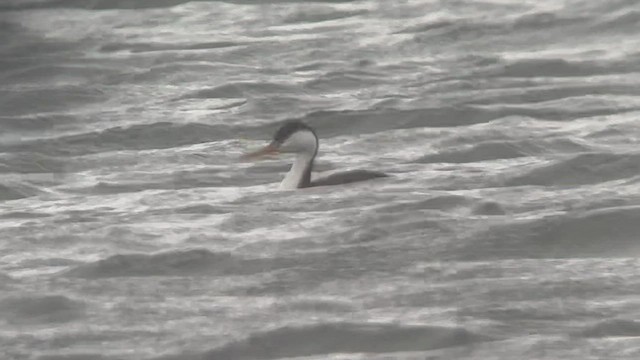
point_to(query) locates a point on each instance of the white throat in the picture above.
(295, 176)
(304, 144)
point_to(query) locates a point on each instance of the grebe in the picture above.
(299, 138)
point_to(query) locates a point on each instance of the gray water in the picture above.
(508, 229)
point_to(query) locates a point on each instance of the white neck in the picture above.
(294, 177)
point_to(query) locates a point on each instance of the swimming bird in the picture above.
(300, 139)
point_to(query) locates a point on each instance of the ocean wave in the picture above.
(257, 2)
(546, 20)
(427, 26)
(438, 202)
(76, 356)
(346, 79)
(35, 122)
(345, 122)
(442, 204)
(535, 26)
(142, 47)
(9, 193)
(609, 232)
(460, 27)
(160, 135)
(612, 328)
(201, 209)
(530, 99)
(625, 21)
(315, 65)
(318, 14)
(581, 169)
(335, 123)
(241, 90)
(94, 4)
(128, 4)
(169, 263)
(593, 233)
(553, 68)
(163, 181)
(30, 163)
(41, 309)
(488, 207)
(333, 338)
(14, 190)
(6, 281)
(55, 75)
(505, 149)
(458, 30)
(478, 152)
(313, 304)
(51, 99)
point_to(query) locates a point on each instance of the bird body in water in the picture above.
(300, 139)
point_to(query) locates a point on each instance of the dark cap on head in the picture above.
(288, 128)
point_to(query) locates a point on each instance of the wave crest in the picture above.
(317, 339)
(170, 263)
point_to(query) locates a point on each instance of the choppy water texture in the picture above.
(509, 228)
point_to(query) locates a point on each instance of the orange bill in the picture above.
(270, 149)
